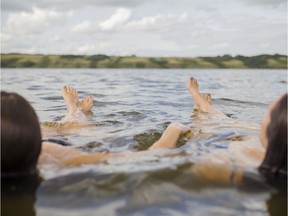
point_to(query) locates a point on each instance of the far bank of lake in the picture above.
(15, 60)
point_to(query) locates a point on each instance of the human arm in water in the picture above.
(69, 156)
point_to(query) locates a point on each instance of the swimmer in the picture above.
(21, 142)
(22, 150)
(270, 157)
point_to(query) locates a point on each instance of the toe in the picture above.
(65, 89)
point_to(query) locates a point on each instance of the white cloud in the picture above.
(82, 27)
(104, 47)
(6, 38)
(17, 43)
(183, 17)
(158, 22)
(18, 5)
(192, 46)
(266, 2)
(155, 28)
(264, 45)
(219, 46)
(120, 21)
(31, 50)
(94, 48)
(33, 22)
(117, 20)
(55, 38)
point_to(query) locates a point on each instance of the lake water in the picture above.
(131, 110)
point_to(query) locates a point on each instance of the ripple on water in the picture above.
(131, 113)
(52, 98)
(120, 126)
(250, 103)
(37, 87)
(109, 122)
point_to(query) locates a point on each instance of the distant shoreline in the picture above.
(15, 60)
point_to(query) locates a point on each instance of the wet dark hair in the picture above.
(275, 161)
(20, 136)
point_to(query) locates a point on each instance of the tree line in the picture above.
(16, 60)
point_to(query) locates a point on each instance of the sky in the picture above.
(180, 28)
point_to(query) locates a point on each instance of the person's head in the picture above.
(20, 136)
(273, 136)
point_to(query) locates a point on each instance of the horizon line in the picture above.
(134, 55)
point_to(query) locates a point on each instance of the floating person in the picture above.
(229, 166)
(22, 149)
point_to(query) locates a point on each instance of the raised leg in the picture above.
(74, 115)
(70, 96)
(206, 97)
(201, 102)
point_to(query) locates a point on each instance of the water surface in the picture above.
(131, 110)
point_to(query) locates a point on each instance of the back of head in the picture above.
(275, 161)
(20, 136)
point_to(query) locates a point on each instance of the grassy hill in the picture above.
(15, 60)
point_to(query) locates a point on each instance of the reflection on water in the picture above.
(18, 196)
(165, 192)
(131, 110)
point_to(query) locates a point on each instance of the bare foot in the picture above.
(200, 102)
(193, 88)
(206, 97)
(70, 96)
(86, 104)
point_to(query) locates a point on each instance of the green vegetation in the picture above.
(14, 60)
